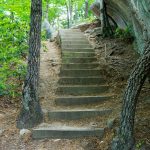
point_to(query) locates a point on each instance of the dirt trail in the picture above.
(49, 69)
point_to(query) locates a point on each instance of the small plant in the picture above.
(140, 144)
(125, 34)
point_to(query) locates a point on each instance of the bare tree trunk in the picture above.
(105, 24)
(68, 19)
(70, 12)
(114, 22)
(125, 137)
(86, 8)
(47, 9)
(31, 113)
(76, 13)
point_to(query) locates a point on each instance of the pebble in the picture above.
(24, 132)
(1, 131)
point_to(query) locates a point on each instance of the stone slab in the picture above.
(73, 38)
(80, 100)
(81, 90)
(79, 49)
(81, 80)
(78, 54)
(78, 60)
(84, 41)
(80, 73)
(77, 114)
(66, 132)
(64, 46)
(79, 66)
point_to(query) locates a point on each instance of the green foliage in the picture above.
(57, 13)
(123, 33)
(14, 29)
(140, 144)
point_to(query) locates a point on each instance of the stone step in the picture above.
(82, 90)
(73, 38)
(78, 54)
(80, 100)
(78, 49)
(81, 80)
(79, 66)
(50, 131)
(64, 46)
(78, 60)
(80, 73)
(75, 42)
(72, 34)
(77, 114)
(70, 31)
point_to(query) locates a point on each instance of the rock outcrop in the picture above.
(134, 13)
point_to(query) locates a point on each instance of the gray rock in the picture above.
(110, 123)
(24, 132)
(1, 131)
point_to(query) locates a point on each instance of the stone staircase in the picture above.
(81, 89)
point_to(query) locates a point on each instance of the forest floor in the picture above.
(117, 58)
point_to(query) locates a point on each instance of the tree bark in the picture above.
(31, 113)
(76, 12)
(47, 9)
(68, 19)
(86, 8)
(70, 11)
(105, 24)
(114, 22)
(125, 137)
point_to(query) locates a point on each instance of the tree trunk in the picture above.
(76, 13)
(70, 12)
(113, 21)
(125, 137)
(47, 9)
(68, 19)
(86, 8)
(105, 24)
(31, 113)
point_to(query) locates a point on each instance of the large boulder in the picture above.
(134, 13)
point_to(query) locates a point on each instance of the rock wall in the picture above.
(134, 13)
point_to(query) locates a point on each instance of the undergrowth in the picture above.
(13, 53)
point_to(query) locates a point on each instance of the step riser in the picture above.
(81, 90)
(80, 73)
(60, 134)
(78, 50)
(75, 46)
(81, 81)
(78, 60)
(73, 39)
(79, 66)
(72, 36)
(74, 115)
(80, 101)
(77, 42)
(66, 54)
